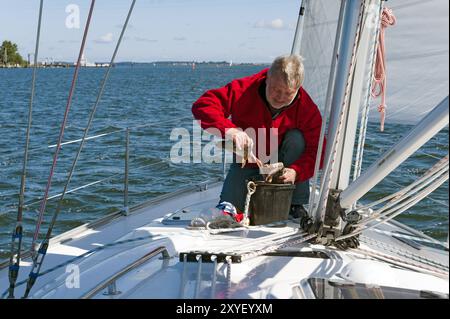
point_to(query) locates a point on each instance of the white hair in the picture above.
(290, 69)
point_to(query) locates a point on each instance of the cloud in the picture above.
(140, 39)
(107, 38)
(179, 38)
(276, 24)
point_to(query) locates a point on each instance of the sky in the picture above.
(253, 31)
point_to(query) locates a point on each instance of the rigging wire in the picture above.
(403, 197)
(433, 170)
(401, 208)
(73, 190)
(38, 200)
(76, 189)
(405, 252)
(43, 247)
(91, 117)
(88, 126)
(93, 137)
(428, 197)
(14, 261)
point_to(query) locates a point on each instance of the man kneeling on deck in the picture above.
(269, 102)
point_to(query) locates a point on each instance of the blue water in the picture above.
(160, 98)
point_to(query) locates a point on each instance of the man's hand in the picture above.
(240, 138)
(288, 176)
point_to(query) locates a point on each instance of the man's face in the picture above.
(278, 94)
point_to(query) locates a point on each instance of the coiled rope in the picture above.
(379, 79)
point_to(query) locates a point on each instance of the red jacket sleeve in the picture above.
(311, 123)
(213, 108)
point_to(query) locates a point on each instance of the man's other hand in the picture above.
(288, 176)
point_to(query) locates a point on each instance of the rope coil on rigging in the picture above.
(379, 79)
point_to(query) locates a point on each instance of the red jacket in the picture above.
(241, 100)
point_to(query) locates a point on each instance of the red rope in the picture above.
(379, 80)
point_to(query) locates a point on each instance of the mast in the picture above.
(359, 23)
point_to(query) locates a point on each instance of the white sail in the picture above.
(417, 60)
(417, 75)
(317, 45)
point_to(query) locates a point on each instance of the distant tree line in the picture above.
(9, 54)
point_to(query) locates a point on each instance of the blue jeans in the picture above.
(235, 190)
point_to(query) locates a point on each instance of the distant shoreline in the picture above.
(191, 64)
